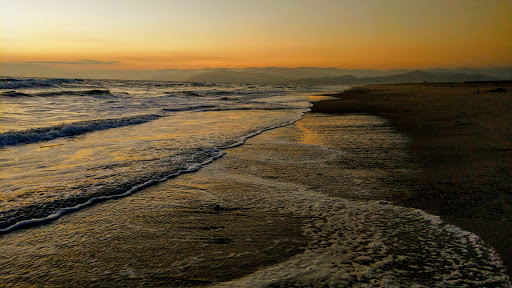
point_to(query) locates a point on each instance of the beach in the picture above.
(256, 144)
(300, 206)
(460, 135)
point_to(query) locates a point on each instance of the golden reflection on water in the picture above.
(316, 98)
(83, 154)
(62, 168)
(309, 132)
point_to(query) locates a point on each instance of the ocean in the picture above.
(147, 183)
(68, 143)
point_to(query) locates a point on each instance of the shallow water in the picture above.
(299, 206)
(65, 143)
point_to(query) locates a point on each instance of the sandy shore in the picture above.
(462, 138)
(221, 223)
(298, 206)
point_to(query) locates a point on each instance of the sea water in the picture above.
(66, 143)
(69, 144)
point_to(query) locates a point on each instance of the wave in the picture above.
(94, 92)
(13, 93)
(242, 140)
(18, 219)
(224, 92)
(12, 83)
(70, 129)
(192, 108)
(201, 84)
(363, 242)
(193, 93)
(36, 214)
(253, 108)
(212, 108)
(189, 93)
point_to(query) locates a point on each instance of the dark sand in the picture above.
(461, 134)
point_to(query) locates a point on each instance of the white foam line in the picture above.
(33, 222)
(344, 232)
(70, 129)
(192, 168)
(241, 141)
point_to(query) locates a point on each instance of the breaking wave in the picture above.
(40, 213)
(189, 161)
(11, 83)
(75, 93)
(201, 107)
(212, 108)
(69, 129)
(94, 92)
(13, 93)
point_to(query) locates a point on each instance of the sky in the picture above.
(185, 34)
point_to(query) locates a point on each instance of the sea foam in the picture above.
(369, 244)
(47, 212)
(69, 129)
(14, 83)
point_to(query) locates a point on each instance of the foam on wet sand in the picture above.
(269, 213)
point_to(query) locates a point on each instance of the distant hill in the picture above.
(228, 76)
(261, 75)
(316, 72)
(237, 77)
(500, 73)
(409, 77)
(335, 76)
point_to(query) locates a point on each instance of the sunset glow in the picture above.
(157, 34)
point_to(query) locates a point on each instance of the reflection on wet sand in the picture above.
(262, 215)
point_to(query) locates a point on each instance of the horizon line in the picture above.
(45, 63)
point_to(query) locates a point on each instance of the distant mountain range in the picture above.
(408, 77)
(268, 75)
(280, 74)
(239, 78)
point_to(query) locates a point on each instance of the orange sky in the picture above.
(160, 34)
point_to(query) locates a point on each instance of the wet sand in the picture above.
(295, 206)
(461, 137)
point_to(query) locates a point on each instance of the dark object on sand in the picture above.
(497, 90)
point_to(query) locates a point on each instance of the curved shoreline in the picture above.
(296, 205)
(460, 133)
(217, 153)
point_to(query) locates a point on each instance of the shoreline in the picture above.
(297, 205)
(460, 134)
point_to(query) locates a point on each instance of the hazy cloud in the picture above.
(197, 58)
(75, 62)
(175, 58)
